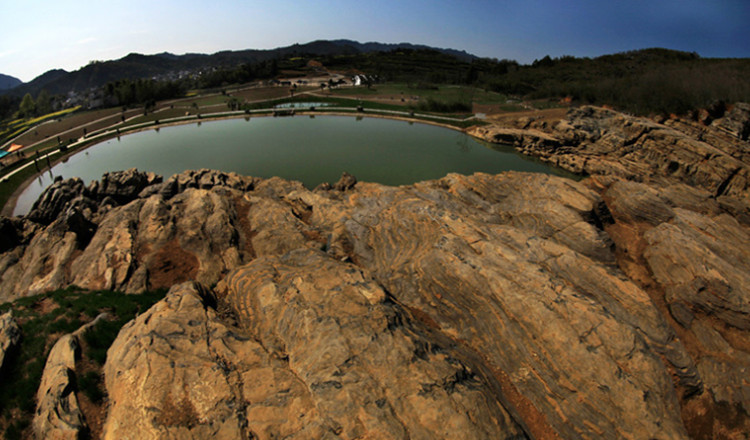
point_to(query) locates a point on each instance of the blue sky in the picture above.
(38, 35)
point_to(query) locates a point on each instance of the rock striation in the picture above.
(359, 369)
(600, 141)
(515, 305)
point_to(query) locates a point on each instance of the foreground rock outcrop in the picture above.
(58, 415)
(510, 306)
(357, 368)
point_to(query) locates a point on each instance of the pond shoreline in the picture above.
(98, 138)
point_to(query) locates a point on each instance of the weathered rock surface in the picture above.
(736, 121)
(327, 356)
(165, 236)
(691, 256)
(465, 307)
(113, 189)
(10, 335)
(600, 141)
(58, 415)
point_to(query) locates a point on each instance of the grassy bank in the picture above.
(16, 127)
(43, 320)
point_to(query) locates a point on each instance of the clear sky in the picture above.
(39, 35)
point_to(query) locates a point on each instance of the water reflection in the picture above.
(463, 144)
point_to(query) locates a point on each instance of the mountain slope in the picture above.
(134, 66)
(373, 46)
(42, 81)
(8, 82)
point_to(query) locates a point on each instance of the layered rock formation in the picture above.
(510, 306)
(600, 141)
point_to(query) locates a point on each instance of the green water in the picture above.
(311, 150)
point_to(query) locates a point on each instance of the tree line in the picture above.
(128, 92)
(641, 82)
(26, 107)
(652, 81)
(244, 73)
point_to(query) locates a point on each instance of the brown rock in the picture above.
(329, 357)
(345, 183)
(149, 242)
(12, 234)
(178, 371)
(58, 415)
(372, 370)
(41, 265)
(696, 272)
(10, 336)
(55, 199)
(600, 141)
(736, 121)
(556, 321)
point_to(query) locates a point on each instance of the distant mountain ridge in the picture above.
(383, 47)
(134, 65)
(8, 82)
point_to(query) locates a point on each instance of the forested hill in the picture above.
(643, 82)
(170, 66)
(8, 82)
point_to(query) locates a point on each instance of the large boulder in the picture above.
(330, 357)
(58, 415)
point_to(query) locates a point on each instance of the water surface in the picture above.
(311, 150)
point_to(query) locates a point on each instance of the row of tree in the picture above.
(241, 74)
(127, 92)
(30, 107)
(8, 106)
(643, 82)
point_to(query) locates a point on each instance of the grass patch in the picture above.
(9, 186)
(201, 101)
(441, 93)
(43, 319)
(18, 126)
(433, 105)
(53, 115)
(546, 104)
(90, 384)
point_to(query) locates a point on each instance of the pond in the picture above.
(307, 149)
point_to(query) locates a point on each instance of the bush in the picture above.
(90, 384)
(100, 337)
